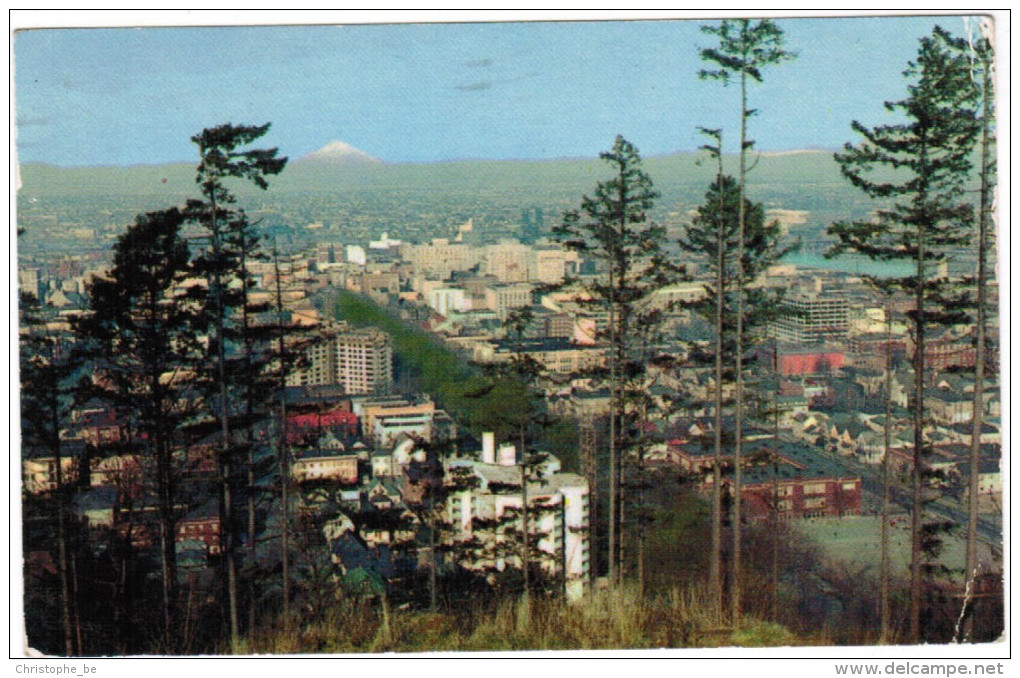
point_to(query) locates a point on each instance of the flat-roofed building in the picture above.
(556, 354)
(508, 261)
(813, 318)
(558, 514)
(446, 299)
(504, 298)
(360, 360)
(440, 258)
(374, 410)
(802, 484)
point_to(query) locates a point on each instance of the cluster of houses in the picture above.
(357, 464)
(372, 500)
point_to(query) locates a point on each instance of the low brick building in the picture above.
(803, 484)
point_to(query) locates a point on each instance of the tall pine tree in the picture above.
(612, 228)
(141, 337)
(918, 168)
(223, 155)
(982, 56)
(712, 237)
(744, 49)
(46, 371)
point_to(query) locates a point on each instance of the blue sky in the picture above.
(432, 92)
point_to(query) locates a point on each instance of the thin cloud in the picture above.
(489, 84)
(30, 121)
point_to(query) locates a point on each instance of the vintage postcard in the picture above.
(493, 333)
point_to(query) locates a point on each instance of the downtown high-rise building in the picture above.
(812, 318)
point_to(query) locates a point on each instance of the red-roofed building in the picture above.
(312, 424)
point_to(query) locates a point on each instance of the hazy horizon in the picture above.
(386, 163)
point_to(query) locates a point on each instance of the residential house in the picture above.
(328, 461)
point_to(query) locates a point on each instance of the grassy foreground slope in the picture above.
(604, 620)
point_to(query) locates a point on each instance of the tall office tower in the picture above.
(810, 318)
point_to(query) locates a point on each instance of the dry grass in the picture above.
(606, 619)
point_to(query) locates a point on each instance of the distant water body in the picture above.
(849, 263)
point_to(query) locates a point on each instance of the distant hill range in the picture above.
(338, 167)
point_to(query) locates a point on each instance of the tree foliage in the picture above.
(234, 373)
(142, 339)
(925, 217)
(612, 229)
(745, 47)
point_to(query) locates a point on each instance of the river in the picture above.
(851, 263)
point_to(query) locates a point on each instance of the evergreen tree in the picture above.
(745, 48)
(253, 371)
(233, 243)
(612, 228)
(141, 338)
(713, 237)
(46, 371)
(439, 485)
(926, 161)
(525, 417)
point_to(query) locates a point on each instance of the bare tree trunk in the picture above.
(917, 514)
(252, 588)
(432, 553)
(62, 557)
(250, 375)
(77, 616)
(614, 497)
(225, 466)
(168, 548)
(884, 610)
(981, 329)
(775, 483)
(588, 444)
(231, 558)
(715, 558)
(621, 507)
(65, 589)
(525, 556)
(282, 461)
(640, 506)
(735, 592)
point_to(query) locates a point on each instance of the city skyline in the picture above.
(429, 92)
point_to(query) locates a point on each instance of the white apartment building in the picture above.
(360, 360)
(559, 503)
(355, 254)
(550, 266)
(813, 318)
(508, 261)
(445, 299)
(511, 262)
(556, 354)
